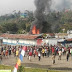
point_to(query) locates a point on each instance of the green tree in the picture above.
(28, 28)
(23, 26)
(11, 27)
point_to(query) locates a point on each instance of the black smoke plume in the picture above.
(42, 8)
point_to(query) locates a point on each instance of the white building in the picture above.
(69, 32)
(61, 35)
(50, 41)
(19, 39)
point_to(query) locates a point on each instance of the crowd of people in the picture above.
(39, 51)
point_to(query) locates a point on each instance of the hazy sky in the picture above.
(61, 4)
(8, 6)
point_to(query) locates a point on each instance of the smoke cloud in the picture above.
(42, 8)
(60, 5)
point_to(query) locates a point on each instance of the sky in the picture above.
(61, 4)
(8, 6)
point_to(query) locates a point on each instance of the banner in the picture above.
(39, 41)
(20, 59)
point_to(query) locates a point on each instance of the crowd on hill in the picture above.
(40, 51)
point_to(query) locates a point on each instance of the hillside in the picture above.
(15, 23)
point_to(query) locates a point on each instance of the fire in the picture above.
(35, 30)
(38, 31)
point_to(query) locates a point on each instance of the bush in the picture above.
(21, 69)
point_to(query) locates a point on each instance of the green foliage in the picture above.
(21, 69)
(23, 26)
(38, 70)
(21, 31)
(28, 28)
(6, 67)
(11, 27)
(55, 22)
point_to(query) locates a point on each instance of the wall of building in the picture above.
(19, 42)
(51, 41)
(69, 35)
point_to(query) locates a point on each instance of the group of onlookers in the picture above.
(44, 51)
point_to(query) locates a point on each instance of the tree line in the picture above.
(55, 22)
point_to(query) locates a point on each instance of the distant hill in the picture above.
(16, 23)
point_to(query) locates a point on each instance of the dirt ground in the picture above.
(45, 62)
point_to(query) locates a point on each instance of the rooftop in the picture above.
(19, 36)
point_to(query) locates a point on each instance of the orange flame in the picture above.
(35, 30)
(38, 31)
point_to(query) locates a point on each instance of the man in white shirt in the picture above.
(60, 53)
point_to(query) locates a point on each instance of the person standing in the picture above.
(2, 50)
(34, 53)
(71, 54)
(6, 53)
(14, 52)
(17, 53)
(43, 51)
(48, 51)
(62, 50)
(60, 53)
(67, 54)
(0, 58)
(53, 50)
(39, 56)
(9, 52)
(30, 54)
(53, 58)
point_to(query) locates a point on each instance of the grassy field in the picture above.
(26, 69)
(39, 70)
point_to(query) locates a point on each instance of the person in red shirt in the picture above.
(34, 53)
(30, 54)
(6, 53)
(52, 50)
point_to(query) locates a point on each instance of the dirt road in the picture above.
(45, 62)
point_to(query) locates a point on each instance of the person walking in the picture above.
(67, 54)
(53, 58)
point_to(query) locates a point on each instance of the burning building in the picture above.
(35, 30)
(40, 23)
